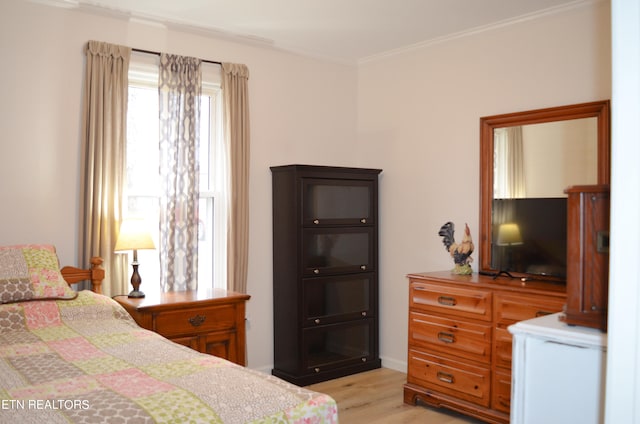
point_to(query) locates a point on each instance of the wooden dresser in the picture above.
(459, 353)
(210, 321)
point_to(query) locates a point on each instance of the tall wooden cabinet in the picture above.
(588, 257)
(459, 353)
(325, 272)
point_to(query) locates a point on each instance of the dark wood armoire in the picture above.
(325, 272)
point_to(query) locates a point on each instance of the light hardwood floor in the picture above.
(376, 397)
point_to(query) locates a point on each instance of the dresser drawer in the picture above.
(450, 336)
(502, 347)
(474, 304)
(190, 321)
(501, 390)
(464, 381)
(512, 308)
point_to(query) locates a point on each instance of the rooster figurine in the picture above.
(461, 253)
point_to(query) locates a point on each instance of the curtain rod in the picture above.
(158, 54)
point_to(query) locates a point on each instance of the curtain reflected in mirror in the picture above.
(508, 161)
(542, 160)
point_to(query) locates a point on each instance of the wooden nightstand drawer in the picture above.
(196, 320)
(451, 337)
(209, 321)
(475, 304)
(454, 378)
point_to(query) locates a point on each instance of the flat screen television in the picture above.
(537, 243)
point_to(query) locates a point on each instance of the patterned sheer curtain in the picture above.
(236, 123)
(104, 141)
(180, 87)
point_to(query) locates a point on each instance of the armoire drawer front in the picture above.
(447, 376)
(450, 336)
(338, 250)
(512, 308)
(331, 346)
(338, 201)
(458, 301)
(335, 299)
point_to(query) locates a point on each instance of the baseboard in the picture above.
(394, 364)
(265, 369)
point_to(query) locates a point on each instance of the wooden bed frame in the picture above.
(95, 274)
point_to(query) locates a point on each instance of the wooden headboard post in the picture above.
(74, 275)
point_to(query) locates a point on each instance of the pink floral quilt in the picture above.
(86, 361)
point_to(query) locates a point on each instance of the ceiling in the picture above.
(349, 31)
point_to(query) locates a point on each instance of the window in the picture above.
(141, 197)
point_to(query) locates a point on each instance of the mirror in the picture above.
(527, 160)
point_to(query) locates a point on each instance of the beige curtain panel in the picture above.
(235, 78)
(104, 141)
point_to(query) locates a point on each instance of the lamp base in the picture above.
(135, 278)
(135, 294)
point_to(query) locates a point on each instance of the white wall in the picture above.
(302, 111)
(418, 119)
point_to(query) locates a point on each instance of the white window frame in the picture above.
(143, 72)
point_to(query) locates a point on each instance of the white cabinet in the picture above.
(558, 373)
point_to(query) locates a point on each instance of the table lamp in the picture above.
(508, 236)
(134, 236)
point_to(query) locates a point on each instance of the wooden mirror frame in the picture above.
(599, 109)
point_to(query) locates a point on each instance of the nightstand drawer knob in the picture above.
(197, 320)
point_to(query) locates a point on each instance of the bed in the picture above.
(77, 356)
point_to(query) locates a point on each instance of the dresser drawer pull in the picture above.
(316, 271)
(542, 313)
(197, 320)
(445, 377)
(504, 402)
(317, 320)
(316, 221)
(363, 220)
(363, 267)
(447, 300)
(446, 337)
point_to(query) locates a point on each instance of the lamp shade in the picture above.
(509, 235)
(134, 235)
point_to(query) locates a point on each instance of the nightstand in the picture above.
(210, 321)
